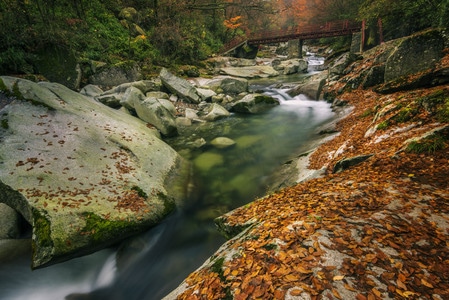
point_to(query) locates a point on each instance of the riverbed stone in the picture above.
(215, 112)
(179, 86)
(206, 161)
(290, 66)
(228, 85)
(85, 176)
(159, 113)
(222, 142)
(206, 94)
(9, 222)
(254, 103)
(312, 88)
(131, 96)
(157, 94)
(91, 91)
(250, 72)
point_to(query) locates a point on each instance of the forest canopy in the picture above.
(162, 32)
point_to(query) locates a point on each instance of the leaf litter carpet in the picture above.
(378, 230)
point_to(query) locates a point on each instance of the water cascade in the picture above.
(152, 264)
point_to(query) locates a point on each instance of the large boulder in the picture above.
(312, 88)
(250, 72)
(228, 85)
(414, 54)
(181, 87)
(214, 112)
(254, 103)
(116, 96)
(82, 174)
(159, 113)
(9, 222)
(113, 75)
(290, 66)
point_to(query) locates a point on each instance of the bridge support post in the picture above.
(300, 44)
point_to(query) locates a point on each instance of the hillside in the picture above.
(376, 230)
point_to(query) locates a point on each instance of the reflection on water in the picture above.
(151, 265)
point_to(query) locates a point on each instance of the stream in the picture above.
(151, 265)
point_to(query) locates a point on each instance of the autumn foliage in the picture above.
(375, 231)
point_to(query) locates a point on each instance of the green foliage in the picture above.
(437, 103)
(368, 112)
(383, 125)
(4, 124)
(428, 144)
(401, 18)
(217, 266)
(100, 229)
(406, 114)
(42, 229)
(139, 191)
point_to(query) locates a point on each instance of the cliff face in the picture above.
(373, 230)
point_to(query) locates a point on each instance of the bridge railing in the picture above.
(233, 43)
(304, 30)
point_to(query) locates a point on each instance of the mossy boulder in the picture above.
(254, 103)
(82, 174)
(414, 54)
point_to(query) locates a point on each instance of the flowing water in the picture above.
(152, 264)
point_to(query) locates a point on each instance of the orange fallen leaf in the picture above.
(338, 277)
(426, 283)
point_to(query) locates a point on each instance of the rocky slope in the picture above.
(377, 228)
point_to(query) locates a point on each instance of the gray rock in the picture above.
(250, 72)
(222, 142)
(84, 175)
(158, 94)
(198, 143)
(206, 94)
(229, 85)
(254, 103)
(179, 86)
(91, 91)
(183, 121)
(415, 54)
(111, 100)
(215, 112)
(191, 113)
(340, 64)
(374, 76)
(116, 75)
(291, 66)
(9, 222)
(132, 95)
(157, 113)
(312, 87)
(346, 163)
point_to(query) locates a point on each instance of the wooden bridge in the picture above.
(330, 29)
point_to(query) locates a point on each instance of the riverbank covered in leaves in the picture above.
(375, 230)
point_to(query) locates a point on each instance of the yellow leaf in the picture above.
(376, 292)
(338, 277)
(303, 270)
(291, 277)
(426, 283)
(401, 285)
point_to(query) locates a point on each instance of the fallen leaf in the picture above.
(338, 277)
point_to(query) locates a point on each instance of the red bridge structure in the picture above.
(301, 33)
